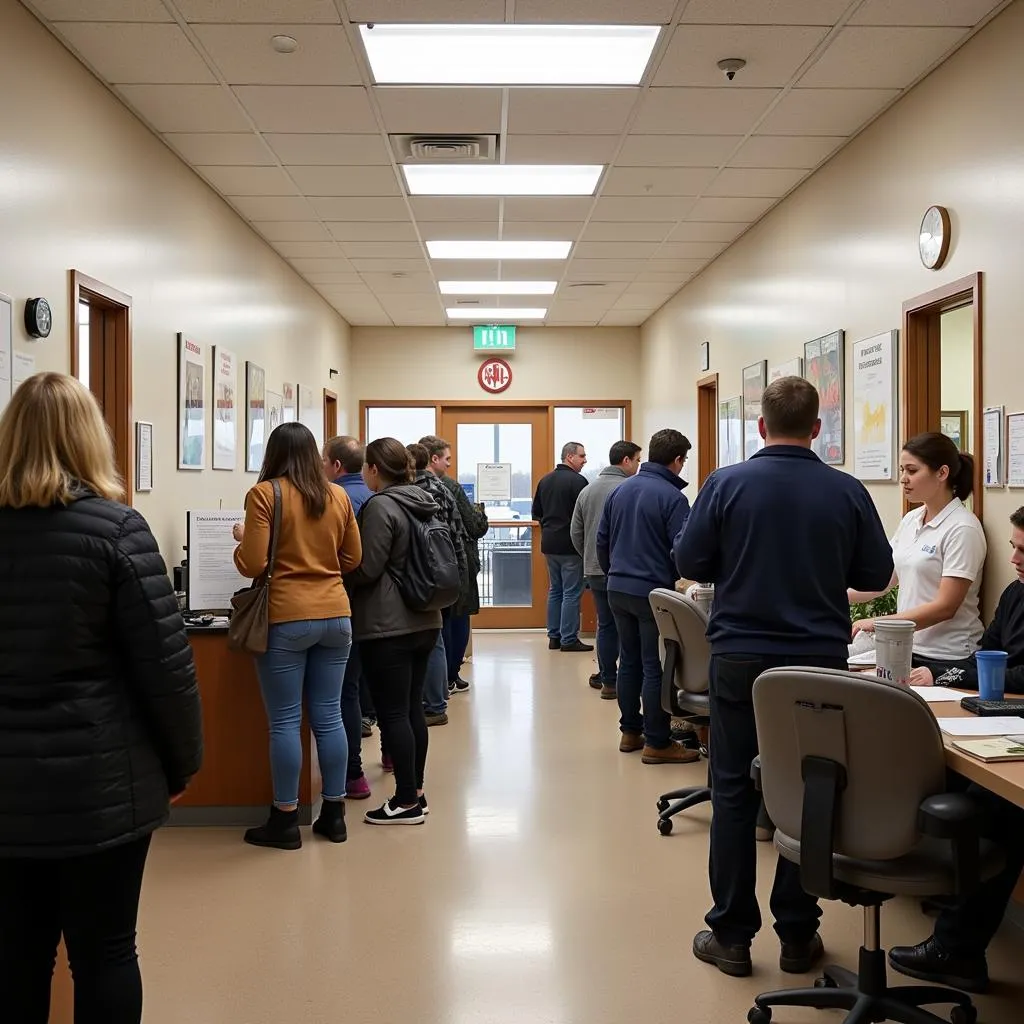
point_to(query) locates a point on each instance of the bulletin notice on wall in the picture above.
(212, 576)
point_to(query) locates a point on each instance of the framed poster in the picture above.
(291, 409)
(191, 404)
(730, 431)
(793, 368)
(824, 364)
(1015, 449)
(255, 416)
(275, 411)
(954, 426)
(6, 351)
(225, 409)
(993, 423)
(874, 407)
(754, 382)
(143, 456)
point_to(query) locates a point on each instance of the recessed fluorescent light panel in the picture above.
(502, 179)
(485, 316)
(505, 250)
(509, 54)
(497, 287)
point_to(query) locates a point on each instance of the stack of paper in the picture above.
(938, 694)
(997, 725)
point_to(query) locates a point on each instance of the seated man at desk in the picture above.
(1005, 633)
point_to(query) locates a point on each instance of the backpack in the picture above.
(431, 580)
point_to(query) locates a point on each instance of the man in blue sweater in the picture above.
(782, 537)
(634, 549)
(343, 464)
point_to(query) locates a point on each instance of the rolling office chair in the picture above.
(853, 773)
(684, 683)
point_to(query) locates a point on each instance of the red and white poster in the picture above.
(494, 376)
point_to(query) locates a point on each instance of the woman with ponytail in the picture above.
(939, 551)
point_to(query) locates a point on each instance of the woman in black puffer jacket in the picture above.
(99, 711)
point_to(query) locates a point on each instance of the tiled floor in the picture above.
(538, 891)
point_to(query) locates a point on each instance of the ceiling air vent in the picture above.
(435, 149)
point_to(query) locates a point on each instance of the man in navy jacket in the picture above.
(634, 548)
(782, 537)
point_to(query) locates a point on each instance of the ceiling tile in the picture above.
(706, 231)
(322, 180)
(382, 250)
(457, 231)
(309, 250)
(594, 12)
(773, 53)
(677, 151)
(623, 318)
(425, 12)
(307, 108)
(604, 270)
(554, 208)
(736, 210)
(764, 12)
(292, 231)
(249, 181)
(886, 57)
(338, 150)
(444, 111)
(661, 278)
(267, 208)
(690, 250)
(573, 111)
(323, 278)
(825, 111)
(347, 292)
(596, 292)
(259, 12)
(234, 149)
(102, 10)
(368, 231)
(137, 53)
(553, 321)
(560, 149)
(661, 270)
(755, 181)
(611, 231)
(337, 264)
(640, 208)
(387, 282)
(245, 57)
(922, 12)
(615, 250)
(650, 291)
(541, 230)
(365, 208)
(702, 111)
(457, 208)
(786, 151)
(369, 266)
(657, 181)
(643, 303)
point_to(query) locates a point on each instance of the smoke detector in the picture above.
(439, 149)
(284, 44)
(730, 65)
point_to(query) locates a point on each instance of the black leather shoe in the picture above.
(331, 823)
(595, 681)
(801, 957)
(731, 960)
(280, 832)
(928, 961)
(576, 648)
(554, 644)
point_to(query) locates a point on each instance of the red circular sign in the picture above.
(494, 376)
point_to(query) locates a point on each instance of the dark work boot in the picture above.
(731, 960)
(280, 832)
(331, 823)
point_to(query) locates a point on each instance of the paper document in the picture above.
(994, 726)
(938, 694)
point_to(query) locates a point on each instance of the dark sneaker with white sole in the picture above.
(731, 960)
(801, 957)
(928, 961)
(459, 685)
(423, 804)
(395, 814)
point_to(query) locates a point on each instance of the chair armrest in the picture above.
(959, 819)
(755, 772)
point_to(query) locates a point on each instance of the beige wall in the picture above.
(85, 185)
(841, 252)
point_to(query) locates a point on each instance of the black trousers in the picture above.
(351, 713)
(93, 901)
(736, 917)
(395, 669)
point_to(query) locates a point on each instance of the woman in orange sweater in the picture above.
(310, 633)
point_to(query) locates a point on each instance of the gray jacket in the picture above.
(586, 517)
(378, 610)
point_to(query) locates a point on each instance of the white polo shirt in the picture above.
(952, 544)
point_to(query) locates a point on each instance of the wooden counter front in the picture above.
(234, 787)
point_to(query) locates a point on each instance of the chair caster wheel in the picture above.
(759, 1015)
(964, 1015)
(662, 805)
(665, 826)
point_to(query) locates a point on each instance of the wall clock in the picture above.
(933, 238)
(38, 318)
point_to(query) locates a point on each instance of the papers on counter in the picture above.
(994, 726)
(938, 694)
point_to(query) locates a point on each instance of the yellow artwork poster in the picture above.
(874, 407)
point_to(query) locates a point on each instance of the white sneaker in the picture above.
(394, 814)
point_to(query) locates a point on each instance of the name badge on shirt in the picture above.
(929, 549)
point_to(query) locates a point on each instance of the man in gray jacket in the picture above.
(624, 461)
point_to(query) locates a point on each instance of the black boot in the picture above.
(331, 823)
(281, 831)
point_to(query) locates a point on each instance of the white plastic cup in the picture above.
(703, 594)
(894, 649)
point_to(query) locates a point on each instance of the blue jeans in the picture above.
(351, 712)
(565, 585)
(435, 686)
(607, 631)
(456, 640)
(639, 670)
(305, 660)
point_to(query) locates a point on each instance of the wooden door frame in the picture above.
(707, 427)
(919, 338)
(96, 293)
(330, 397)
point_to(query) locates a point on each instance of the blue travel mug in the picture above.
(991, 674)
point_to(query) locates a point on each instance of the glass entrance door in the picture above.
(498, 455)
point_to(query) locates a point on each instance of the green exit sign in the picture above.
(494, 339)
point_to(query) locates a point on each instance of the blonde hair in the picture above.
(53, 442)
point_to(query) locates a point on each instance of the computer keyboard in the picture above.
(992, 708)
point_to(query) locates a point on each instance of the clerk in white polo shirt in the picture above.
(939, 552)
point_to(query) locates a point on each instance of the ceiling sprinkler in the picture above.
(730, 65)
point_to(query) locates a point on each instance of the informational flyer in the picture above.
(212, 576)
(874, 407)
(225, 409)
(6, 352)
(1015, 449)
(494, 481)
(291, 410)
(993, 422)
(191, 404)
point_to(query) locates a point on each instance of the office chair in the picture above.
(853, 774)
(682, 624)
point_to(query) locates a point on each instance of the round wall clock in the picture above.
(38, 318)
(933, 238)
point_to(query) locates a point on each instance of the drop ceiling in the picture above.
(300, 144)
